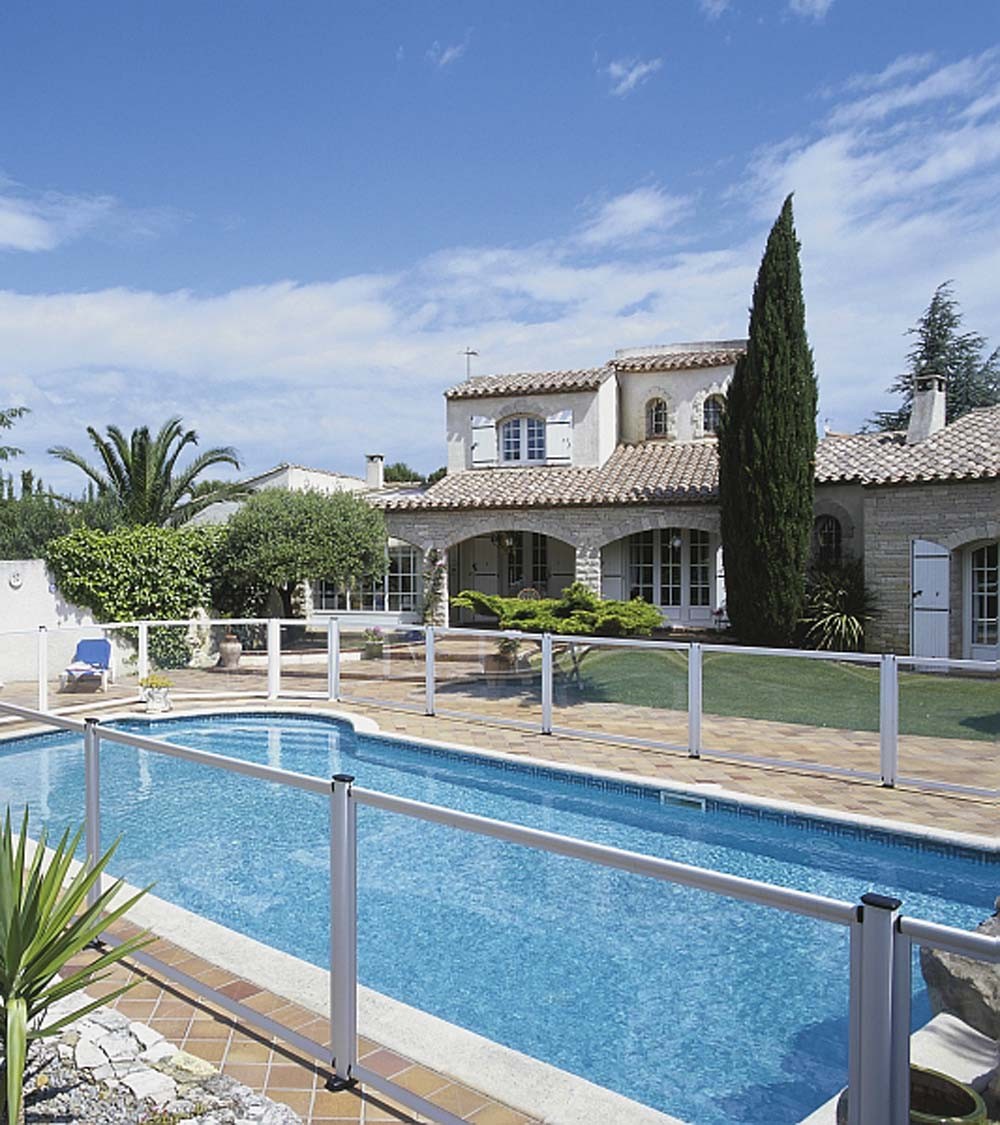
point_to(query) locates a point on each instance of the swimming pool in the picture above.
(712, 1010)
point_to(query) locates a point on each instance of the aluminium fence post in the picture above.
(143, 649)
(343, 927)
(273, 657)
(694, 699)
(429, 670)
(546, 683)
(333, 659)
(902, 988)
(43, 668)
(888, 712)
(92, 800)
(871, 1064)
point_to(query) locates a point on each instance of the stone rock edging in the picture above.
(105, 1069)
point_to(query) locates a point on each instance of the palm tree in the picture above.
(141, 478)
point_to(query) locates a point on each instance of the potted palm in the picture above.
(44, 923)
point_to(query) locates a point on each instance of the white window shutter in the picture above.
(484, 442)
(559, 438)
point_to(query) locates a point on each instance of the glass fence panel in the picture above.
(949, 725)
(382, 664)
(304, 660)
(489, 677)
(820, 712)
(230, 659)
(89, 662)
(636, 692)
(663, 994)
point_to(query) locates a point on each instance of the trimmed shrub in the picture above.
(578, 612)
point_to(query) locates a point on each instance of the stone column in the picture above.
(588, 568)
(436, 560)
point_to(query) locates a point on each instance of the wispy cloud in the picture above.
(812, 9)
(627, 75)
(637, 213)
(442, 55)
(38, 221)
(713, 8)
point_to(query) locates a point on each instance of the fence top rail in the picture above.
(947, 662)
(620, 642)
(494, 634)
(666, 870)
(965, 943)
(41, 717)
(804, 653)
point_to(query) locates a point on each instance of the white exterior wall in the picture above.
(607, 419)
(584, 406)
(684, 392)
(28, 599)
(295, 478)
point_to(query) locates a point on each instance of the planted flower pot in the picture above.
(935, 1099)
(157, 699)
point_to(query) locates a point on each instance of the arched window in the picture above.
(656, 418)
(711, 414)
(522, 440)
(827, 539)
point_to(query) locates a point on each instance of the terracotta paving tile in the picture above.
(421, 1081)
(172, 1029)
(298, 1100)
(239, 989)
(250, 1074)
(211, 1050)
(247, 1051)
(498, 1115)
(460, 1100)
(386, 1063)
(340, 1103)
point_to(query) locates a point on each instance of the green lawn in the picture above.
(817, 693)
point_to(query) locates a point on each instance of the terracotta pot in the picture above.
(230, 650)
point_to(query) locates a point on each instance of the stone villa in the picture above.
(609, 476)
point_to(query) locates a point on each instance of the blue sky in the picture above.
(285, 221)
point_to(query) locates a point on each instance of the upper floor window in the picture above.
(522, 440)
(827, 539)
(656, 418)
(711, 415)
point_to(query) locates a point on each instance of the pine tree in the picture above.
(941, 348)
(767, 453)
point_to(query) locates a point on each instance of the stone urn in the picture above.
(230, 650)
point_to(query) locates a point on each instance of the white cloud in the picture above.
(628, 74)
(442, 56)
(713, 8)
(886, 208)
(38, 221)
(813, 9)
(626, 217)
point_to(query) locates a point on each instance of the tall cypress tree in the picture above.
(767, 453)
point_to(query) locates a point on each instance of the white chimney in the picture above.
(927, 415)
(374, 470)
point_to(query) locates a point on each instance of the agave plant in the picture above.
(44, 923)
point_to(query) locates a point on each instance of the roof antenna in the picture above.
(468, 353)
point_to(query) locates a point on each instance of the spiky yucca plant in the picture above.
(44, 923)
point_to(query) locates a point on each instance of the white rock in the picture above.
(118, 1045)
(151, 1085)
(159, 1052)
(185, 1067)
(109, 1019)
(102, 1073)
(145, 1034)
(89, 1055)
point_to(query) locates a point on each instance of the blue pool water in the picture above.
(718, 1012)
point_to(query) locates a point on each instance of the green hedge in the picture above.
(579, 612)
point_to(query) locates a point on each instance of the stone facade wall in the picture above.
(953, 514)
(580, 527)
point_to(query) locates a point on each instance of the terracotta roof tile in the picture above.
(529, 382)
(680, 360)
(687, 472)
(968, 448)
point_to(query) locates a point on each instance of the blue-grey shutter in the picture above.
(559, 438)
(484, 442)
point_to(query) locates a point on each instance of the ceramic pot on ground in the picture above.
(230, 650)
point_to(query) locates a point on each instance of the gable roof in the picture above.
(680, 357)
(968, 448)
(658, 472)
(529, 382)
